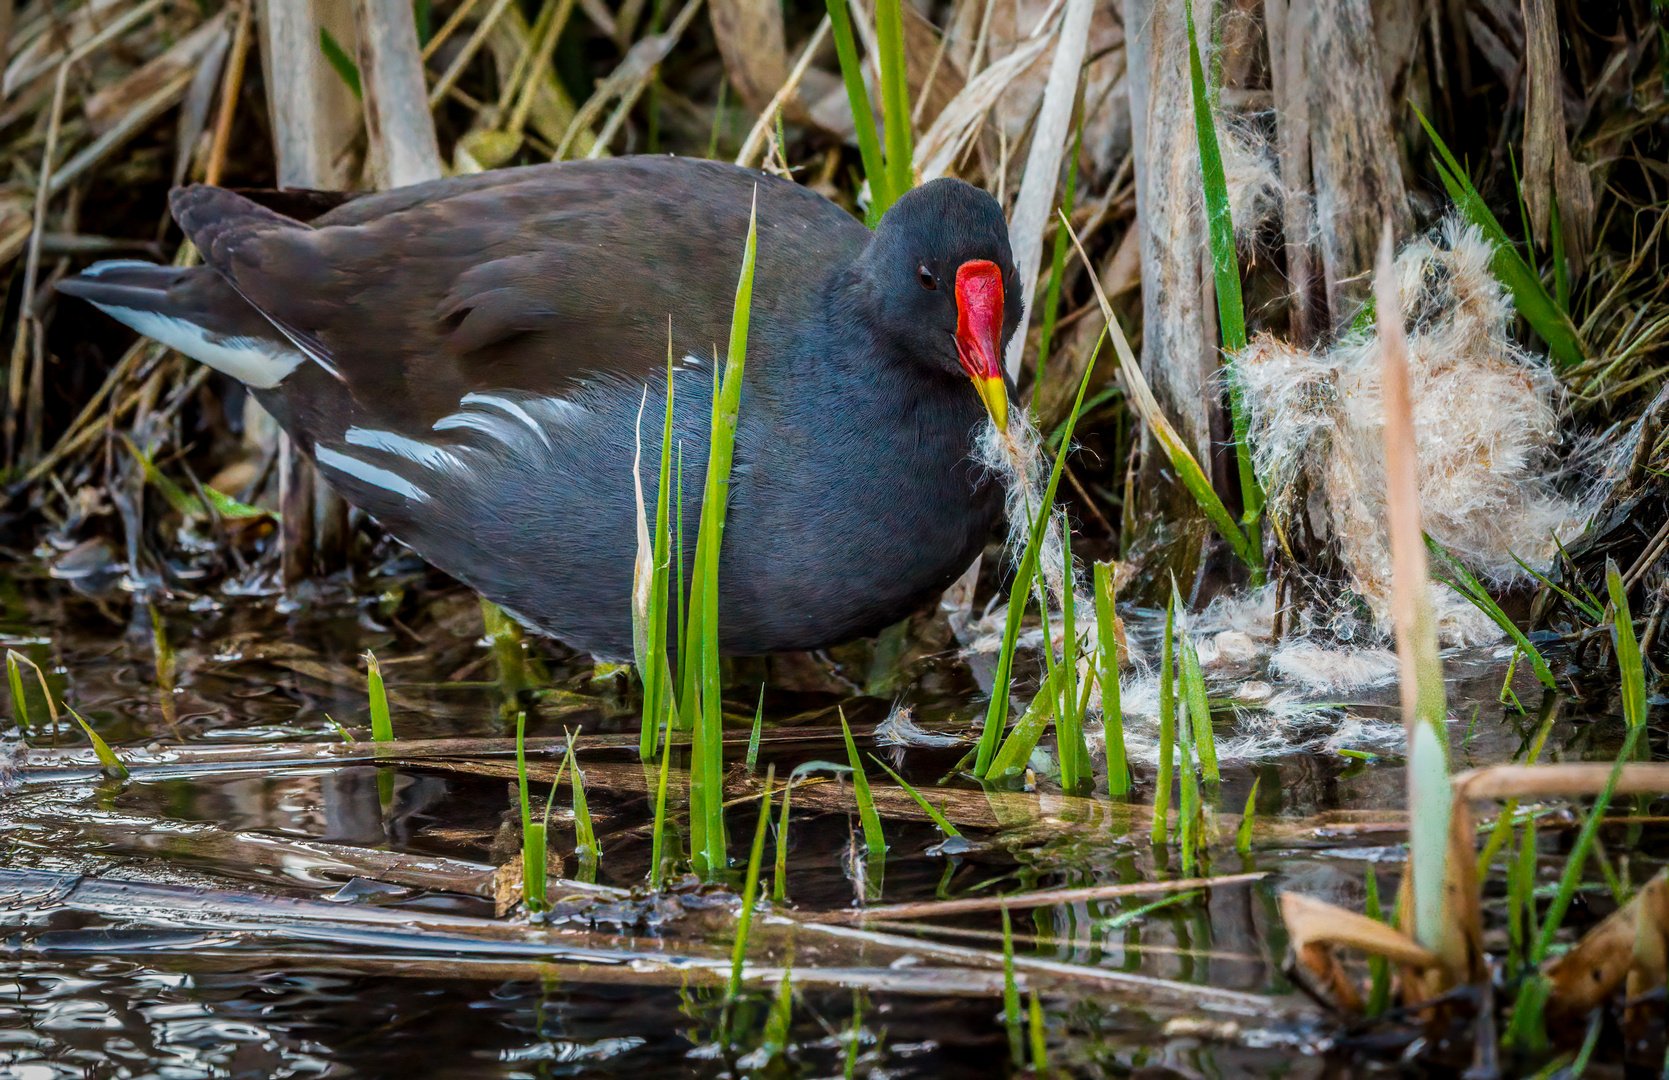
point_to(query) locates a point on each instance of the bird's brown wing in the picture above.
(531, 279)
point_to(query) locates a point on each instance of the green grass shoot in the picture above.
(1379, 969)
(650, 597)
(779, 1019)
(1243, 835)
(881, 194)
(657, 842)
(533, 847)
(1112, 711)
(1016, 751)
(1039, 1036)
(1541, 310)
(854, 1037)
(340, 60)
(1231, 314)
(895, 97)
(1011, 996)
(20, 704)
(932, 811)
(701, 641)
(107, 757)
(758, 727)
(1632, 671)
(1629, 662)
(1199, 711)
(1069, 721)
(779, 875)
(996, 715)
(750, 889)
(1167, 730)
(875, 842)
(585, 835)
(1247, 548)
(382, 725)
(1449, 571)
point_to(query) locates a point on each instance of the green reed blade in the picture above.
(107, 757)
(758, 726)
(1449, 571)
(1379, 969)
(750, 889)
(1039, 1037)
(1246, 544)
(1011, 996)
(854, 1036)
(585, 835)
(658, 838)
(1530, 296)
(779, 876)
(341, 61)
(20, 705)
(932, 811)
(1572, 875)
(1243, 835)
(895, 97)
(996, 715)
(382, 725)
(1199, 711)
(1629, 662)
(1069, 724)
(535, 874)
(1225, 259)
(1167, 730)
(875, 842)
(881, 193)
(1016, 750)
(658, 705)
(707, 755)
(779, 1020)
(1112, 710)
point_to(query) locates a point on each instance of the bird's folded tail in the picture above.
(193, 310)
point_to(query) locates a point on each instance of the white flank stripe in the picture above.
(369, 474)
(99, 268)
(261, 364)
(426, 454)
(492, 401)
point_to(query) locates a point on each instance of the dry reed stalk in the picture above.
(1179, 355)
(1551, 173)
(399, 125)
(231, 84)
(752, 42)
(1356, 181)
(1035, 203)
(755, 141)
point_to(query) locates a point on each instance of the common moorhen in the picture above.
(466, 359)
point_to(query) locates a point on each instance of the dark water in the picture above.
(145, 929)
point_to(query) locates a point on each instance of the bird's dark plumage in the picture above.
(466, 360)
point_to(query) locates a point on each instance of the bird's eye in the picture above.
(926, 277)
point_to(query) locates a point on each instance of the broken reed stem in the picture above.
(1424, 704)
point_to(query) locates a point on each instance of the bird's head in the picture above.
(946, 284)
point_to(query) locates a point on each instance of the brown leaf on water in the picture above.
(1625, 952)
(1316, 928)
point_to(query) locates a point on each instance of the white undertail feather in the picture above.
(256, 362)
